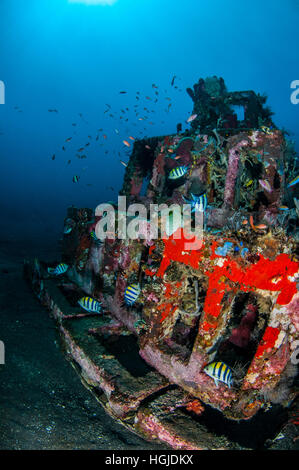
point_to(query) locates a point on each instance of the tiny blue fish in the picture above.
(95, 238)
(132, 293)
(220, 372)
(90, 304)
(293, 182)
(68, 226)
(198, 203)
(76, 178)
(178, 172)
(60, 269)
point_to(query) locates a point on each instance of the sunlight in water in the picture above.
(94, 2)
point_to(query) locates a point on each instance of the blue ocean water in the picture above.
(64, 64)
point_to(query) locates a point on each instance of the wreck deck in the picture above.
(130, 391)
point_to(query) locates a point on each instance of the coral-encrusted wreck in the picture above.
(233, 299)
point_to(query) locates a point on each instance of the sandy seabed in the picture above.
(43, 404)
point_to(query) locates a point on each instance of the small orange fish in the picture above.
(244, 222)
(127, 143)
(123, 163)
(104, 135)
(132, 138)
(147, 147)
(261, 226)
(170, 150)
(251, 223)
(140, 119)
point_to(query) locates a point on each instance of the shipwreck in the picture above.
(233, 299)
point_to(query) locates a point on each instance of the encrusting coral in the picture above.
(189, 312)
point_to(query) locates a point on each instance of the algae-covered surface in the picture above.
(43, 404)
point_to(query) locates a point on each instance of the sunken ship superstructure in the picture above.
(231, 301)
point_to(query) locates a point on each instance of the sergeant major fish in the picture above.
(61, 268)
(198, 203)
(90, 305)
(132, 293)
(178, 172)
(220, 372)
(267, 130)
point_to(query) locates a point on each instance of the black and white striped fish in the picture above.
(60, 269)
(220, 372)
(198, 203)
(90, 304)
(132, 293)
(178, 172)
